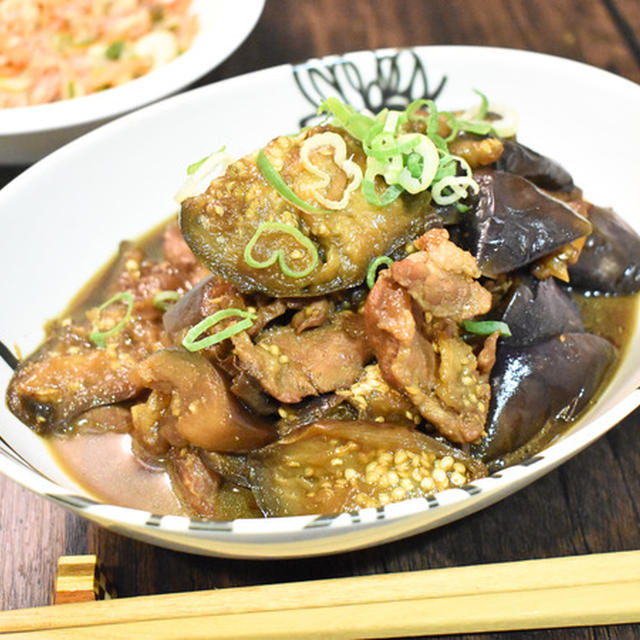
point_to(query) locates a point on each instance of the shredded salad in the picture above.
(54, 50)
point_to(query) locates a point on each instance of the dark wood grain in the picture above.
(590, 504)
(291, 31)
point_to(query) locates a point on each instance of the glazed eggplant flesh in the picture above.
(532, 385)
(537, 310)
(610, 260)
(514, 223)
(527, 163)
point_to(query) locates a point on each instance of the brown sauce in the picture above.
(104, 466)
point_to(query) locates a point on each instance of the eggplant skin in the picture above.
(537, 310)
(514, 223)
(610, 260)
(527, 163)
(531, 385)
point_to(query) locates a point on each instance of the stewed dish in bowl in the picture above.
(384, 313)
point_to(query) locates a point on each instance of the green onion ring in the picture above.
(276, 181)
(487, 327)
(385, 145)
(192, 168)
(278, 254)
(375, 264)
(162, 299)
(99, 338)
(357, 124)
(391, 193)
(191, 342)
(484, 105)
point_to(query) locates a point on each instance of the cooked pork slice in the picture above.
(291, 366)
(441, 278)
(412, 326)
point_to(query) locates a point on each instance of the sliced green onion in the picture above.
(462, 208)
(192, 168)
(114, 50)
(162, 299)
(431, 121)
(278, 254)
(385, 145)
(99, 338)
(376, 263)
(357, 124)
(487, 327)
(191, 342)
(484, 105)
(276, 181)
(414, 163)
(390, 194)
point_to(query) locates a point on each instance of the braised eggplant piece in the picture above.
(330, 406)
(514, 223)
(204, 492)
(67, 375)
(202, 410)
(336, 466)
(527, 163)
(532, 385)
(219, 224)
(539, 309)
(610, 259)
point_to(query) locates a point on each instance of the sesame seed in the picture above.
(457, 479)
(446, 463)
(350, 473)
(427, 484)
(371, 467)
(459, 467)
(398, 493)
(383, 498)
(406, 484)
(335, 462)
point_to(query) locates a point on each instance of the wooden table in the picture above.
(590, 504)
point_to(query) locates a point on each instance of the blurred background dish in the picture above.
(28, 133)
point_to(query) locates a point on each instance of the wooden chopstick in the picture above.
(560, 592)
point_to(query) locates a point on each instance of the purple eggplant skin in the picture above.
(534, 384)
(610, 260)
(514, 223)
(527, 163)
(537, 310)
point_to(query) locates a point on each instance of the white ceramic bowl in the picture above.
(29, 133)
(63, 218)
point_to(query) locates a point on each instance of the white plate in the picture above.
(64, 217)
(29, 133)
